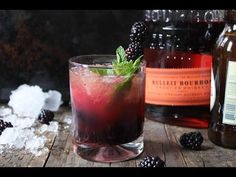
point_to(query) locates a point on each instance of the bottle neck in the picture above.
(184, 16)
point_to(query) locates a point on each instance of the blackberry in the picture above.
(4, 125)
(138, 32)
(134, 50)
(137, 36)
(45, 116)
(151, 162)
(192, 140)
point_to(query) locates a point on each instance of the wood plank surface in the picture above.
(159, 139)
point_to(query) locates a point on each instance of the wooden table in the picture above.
(159, 139)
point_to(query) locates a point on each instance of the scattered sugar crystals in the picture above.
(27, 133)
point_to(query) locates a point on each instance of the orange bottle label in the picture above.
(178, 87)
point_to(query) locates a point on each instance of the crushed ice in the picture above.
(67, 119)
(52, 127)
(5, 111)
(28, 101)
(25, 104)
(53, 100)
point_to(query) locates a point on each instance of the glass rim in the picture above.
(110, 57)
(73, 61)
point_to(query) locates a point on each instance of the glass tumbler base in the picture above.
(113, 153)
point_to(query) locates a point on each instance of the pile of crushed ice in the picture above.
(25, 104)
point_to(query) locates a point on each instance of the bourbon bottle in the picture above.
(178, 54)
(222, 126)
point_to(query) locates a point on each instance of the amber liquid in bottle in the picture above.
(222, 126)
(178, 74)
(196, 115)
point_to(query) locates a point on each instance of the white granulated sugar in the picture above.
(5, 111)
(53, 100)
(27, 101)
(67, 119)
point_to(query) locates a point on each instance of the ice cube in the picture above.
(27, 100)
(43, 128)
(41, 151)
(9, 136)
(67, 119)
(53, 127)
(35, 143)
(5, 111)
(11, 118)
(1, 149)
(24, 135)
(53, 100)
(19, 122)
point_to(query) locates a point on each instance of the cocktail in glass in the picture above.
(107, 110)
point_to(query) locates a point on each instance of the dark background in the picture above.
(35, 45)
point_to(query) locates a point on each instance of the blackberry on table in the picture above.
(191, 140)
(45, 116)
(151, 162)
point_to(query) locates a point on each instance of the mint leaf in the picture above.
(120, 54)
(137, 62)
(121, 67)
(102, 71)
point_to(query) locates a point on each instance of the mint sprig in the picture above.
(121, 66)
(124, 67)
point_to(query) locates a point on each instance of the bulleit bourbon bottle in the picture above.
(178, 54)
